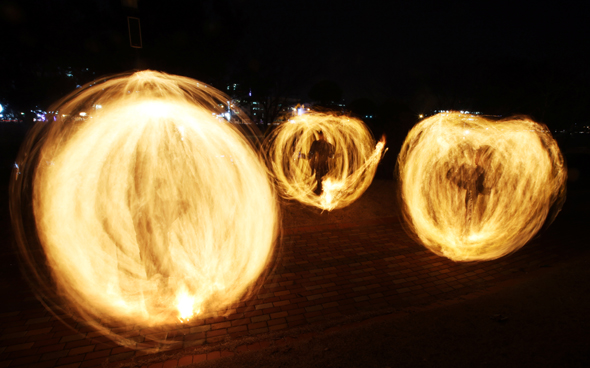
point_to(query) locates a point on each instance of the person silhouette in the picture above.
(158, 205)
(471, 176)
(155, 202)
(320, 154)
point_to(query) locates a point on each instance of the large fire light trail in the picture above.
(351, 169)
(474, 189)
(149, 207)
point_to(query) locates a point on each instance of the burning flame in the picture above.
(475, 189)
(150, 210)
(185, 304)
(351, 169)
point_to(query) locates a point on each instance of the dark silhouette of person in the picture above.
(157, 201)
(471, 177)
(152, 200)
(320, 155)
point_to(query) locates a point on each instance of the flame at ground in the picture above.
(475, 189)
(351, 169)
(150, 209)
(185, 305)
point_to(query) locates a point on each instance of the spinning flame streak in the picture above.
(474, 189)
(351, 169)
(150, 209)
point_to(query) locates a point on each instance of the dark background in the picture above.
(391, 60)
(491, 57)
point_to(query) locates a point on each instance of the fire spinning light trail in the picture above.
(475, 189)
(149, 207)
(351, 167)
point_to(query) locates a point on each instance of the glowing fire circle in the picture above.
(149, 207)
(351, 164)
(474, 189)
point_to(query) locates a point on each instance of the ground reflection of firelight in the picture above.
(149, 206)
(474, 189)
(351, 169)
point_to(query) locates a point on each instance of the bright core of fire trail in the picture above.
(350, 166)
(149, 206)
(474, 189)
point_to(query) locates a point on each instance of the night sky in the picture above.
(492, 57)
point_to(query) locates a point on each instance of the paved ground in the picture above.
(341, 281)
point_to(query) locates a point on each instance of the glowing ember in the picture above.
(348, 165)
(151, 208)
(475, 189)
(185, 305)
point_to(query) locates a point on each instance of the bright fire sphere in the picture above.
(150, 207)
(351, 169)
(475, 189)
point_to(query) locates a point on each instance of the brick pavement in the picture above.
(323, 276)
